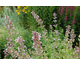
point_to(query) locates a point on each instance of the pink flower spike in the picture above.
(65, 18)
(73, 21)
(59, 10)
(66, 9)
(62, 7)
(71, 7)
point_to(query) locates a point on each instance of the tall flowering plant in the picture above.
(19, 52)
(38, 50)
(40, 22)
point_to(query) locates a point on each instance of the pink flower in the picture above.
(73, 21)
(65, 18)
(50, 26)
(55, 17)
(19, 39)
(40, 22)
(55, 21)
(66, 9)
(62, 8)
(54, 14)
(36, 42)
(71, 7)
(59, 10)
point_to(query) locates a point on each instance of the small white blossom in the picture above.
(16, 40)
(8, 26)
(32, 37)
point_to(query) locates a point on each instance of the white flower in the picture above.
(41, 50)
(8, 26)
(23, 40)
(32, 37)
(55, 20)
(5, 16)
(33, 43)
(16, 40)
(39, 37)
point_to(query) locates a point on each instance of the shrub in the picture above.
(20, 30)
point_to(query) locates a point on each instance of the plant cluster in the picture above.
(40, 33)
(70, 8)
(45, 46)
(70, 15)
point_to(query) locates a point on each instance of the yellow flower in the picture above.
(18, 13)
(25, 11)
(18, 7)
(16, 10)
(28, 11)
(25, 7)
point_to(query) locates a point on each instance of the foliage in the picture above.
(2, 40)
